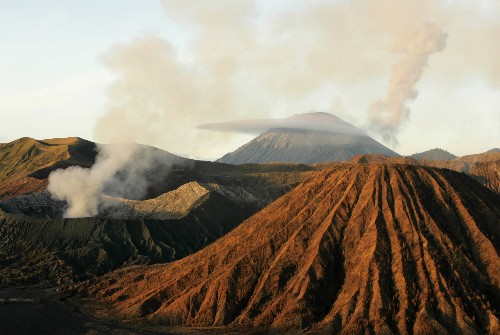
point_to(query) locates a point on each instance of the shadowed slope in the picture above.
(357, 249)
(26, 163)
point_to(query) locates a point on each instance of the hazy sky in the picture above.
(151, 71)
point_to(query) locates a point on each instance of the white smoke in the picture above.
(120, 170)
(388, 115)
(82, 188)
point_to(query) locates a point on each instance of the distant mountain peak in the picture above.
(434, 154)
(308, 138)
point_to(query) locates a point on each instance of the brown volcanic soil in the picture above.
(38, 247)
(24, 156)
(356, 249)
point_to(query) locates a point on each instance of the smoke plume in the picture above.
(120, 170)
(389, 115)
(82, 188)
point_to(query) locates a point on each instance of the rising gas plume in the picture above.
(82, 188)
(388, 115)
(120, 170)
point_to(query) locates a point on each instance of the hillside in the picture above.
(357, 248)
(434, 154)
(25, 156)
(485, 169)
(26, 162)
(488, 156)
(34, 237)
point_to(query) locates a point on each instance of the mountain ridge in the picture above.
(356, 248)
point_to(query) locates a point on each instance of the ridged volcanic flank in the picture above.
(357, 249)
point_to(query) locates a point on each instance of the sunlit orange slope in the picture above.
(356, 249)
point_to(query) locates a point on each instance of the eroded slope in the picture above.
(360, 248)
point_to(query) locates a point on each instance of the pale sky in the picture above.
(98, 69)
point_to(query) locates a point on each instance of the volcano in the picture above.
(434, 154)
(373, 248)
(311, 138)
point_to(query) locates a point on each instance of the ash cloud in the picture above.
(388, 115)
